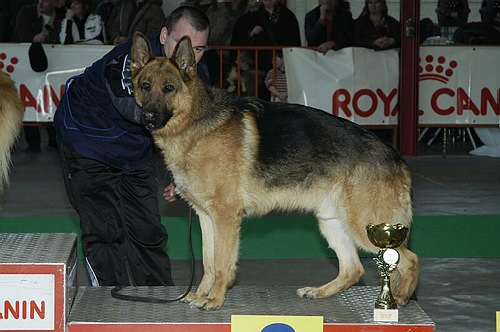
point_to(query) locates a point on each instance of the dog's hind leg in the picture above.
(350, 268)
(408, 267)
(226, 228)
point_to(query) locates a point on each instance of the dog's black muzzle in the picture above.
(153, 119)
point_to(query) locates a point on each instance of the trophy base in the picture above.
(386, 315)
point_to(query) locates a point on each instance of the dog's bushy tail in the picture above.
(11, 120)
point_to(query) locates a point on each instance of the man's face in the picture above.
(269, 4)
(169, 39)
(374, 6)
(328, 3)
(46, 6)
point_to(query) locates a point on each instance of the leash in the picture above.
(115, 292)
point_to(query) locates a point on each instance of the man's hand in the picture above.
(256, 30)
(326, 46)
(41, 37)
(169, 193)
(384, 42)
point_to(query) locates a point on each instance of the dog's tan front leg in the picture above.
(207, 234)
(227, 236)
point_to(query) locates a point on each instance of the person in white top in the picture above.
(81, 25)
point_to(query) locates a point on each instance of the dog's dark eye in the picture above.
(168, 88)
(146, 86)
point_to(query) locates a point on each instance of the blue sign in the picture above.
(278, 327)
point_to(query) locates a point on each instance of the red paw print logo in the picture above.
(439, 69)
(7, 66)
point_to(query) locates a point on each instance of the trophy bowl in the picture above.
(387, 235)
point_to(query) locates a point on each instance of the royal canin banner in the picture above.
(459, 85)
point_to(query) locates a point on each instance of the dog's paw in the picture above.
(401, 300)
(310, 293)
(206, 303)
(190, 297)
(306, 292)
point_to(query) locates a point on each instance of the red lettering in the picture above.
(340, 100)
(20, 309)
(355, 101)
(39, 311)
(27, 99)
(48, 95)
(465, 103)
(9, 309)
(488, 99)
(25, 309)
(386, 101)
(434, 101)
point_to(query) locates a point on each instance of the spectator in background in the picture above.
(105, 8)
(5, 27)
(329, 26)
(276, 82)
(375, 29)
(272, 24)
(246, 76)
(39, 23)
(82, 25)
(222, 15)
(130, 16)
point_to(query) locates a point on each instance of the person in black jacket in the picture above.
(109, 163)
(375, 29)
(329, 26)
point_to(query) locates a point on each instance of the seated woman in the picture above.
(81, 24)
(375, 29)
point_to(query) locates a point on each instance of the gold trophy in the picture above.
(386, 237)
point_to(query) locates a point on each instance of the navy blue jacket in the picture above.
(94, 123)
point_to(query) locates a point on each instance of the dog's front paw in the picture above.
(190, 297)
(310, 293)
(206, 303)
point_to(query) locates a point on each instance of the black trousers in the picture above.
(122, 236)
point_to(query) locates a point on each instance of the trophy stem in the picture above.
(385, 299)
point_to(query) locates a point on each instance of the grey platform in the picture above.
(353, 306)
(36, 248)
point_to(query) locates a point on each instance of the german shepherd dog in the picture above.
(11, 120)
(233, 157)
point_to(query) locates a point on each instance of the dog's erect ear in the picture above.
(184, 58)
(140, 53)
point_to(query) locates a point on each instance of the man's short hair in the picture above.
(196, 17)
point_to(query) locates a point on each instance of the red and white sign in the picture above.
(32, 297)
(459, 85)
(27, 301)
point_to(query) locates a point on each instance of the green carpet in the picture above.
(276, 237)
